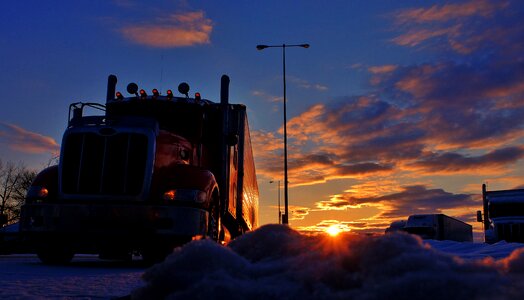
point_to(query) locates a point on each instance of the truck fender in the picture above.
(187, 177)
(44, 186)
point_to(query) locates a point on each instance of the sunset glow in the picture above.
(333, 230)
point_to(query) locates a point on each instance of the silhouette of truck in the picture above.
(147, 174)
(503, 215)
(439, 227)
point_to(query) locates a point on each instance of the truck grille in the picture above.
(94, 164)
(511, 232)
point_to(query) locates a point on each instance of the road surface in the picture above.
(24, 277)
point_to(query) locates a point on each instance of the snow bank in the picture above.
(275, 262)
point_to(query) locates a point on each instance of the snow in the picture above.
(276, 262)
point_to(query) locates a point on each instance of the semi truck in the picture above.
(439, 227)
(149, 172)
(503, 215)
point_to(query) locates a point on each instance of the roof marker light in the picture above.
(169, 94)
(119, 96)
(143, 94)
(155, 92)
(197, 96)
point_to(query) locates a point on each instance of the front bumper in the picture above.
(131, 223)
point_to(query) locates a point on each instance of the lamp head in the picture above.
(261, 47)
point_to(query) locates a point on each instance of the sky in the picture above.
(397, 108)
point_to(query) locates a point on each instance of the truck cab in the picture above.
(150, 173)
(503, 215)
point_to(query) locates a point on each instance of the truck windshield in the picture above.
(506, 209)
(184, 119)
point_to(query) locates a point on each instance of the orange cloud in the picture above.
(20, 139)
(306, 84)
(452, 23)
(177, 30)
(446, 12)
(416, 36)
(382, 69)
(298, 212)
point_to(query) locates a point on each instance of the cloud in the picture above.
(447, 12)
(455, 162)
(268, 97)
(176, 30)
(306, 84)
(276, 262)
(20, 139)
(408, 200)
(298, 212)
(464, 27)
(382, 69)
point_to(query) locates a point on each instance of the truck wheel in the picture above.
(54, 255)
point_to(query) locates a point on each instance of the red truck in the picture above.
(149, 173)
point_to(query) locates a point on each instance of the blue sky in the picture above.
(396, 108)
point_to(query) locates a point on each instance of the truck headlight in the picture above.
(185, 195)
(37, 194)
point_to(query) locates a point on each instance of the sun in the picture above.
(333, 230)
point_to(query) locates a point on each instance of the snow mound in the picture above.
(276, 262)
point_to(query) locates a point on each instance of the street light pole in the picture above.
(279, 210)
(285, 217)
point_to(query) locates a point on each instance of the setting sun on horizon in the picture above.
(333, 230)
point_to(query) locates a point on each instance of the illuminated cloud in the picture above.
(453, 23)
(382, 69)
(298, 212)
(177, 30)
(20, 139)
(447, 12)
(394, 202)
(455, 162)
(268, 97)
(416, 199)
(306, 84)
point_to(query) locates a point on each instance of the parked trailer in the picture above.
(503, 215)
(151, 173)
(439, 227)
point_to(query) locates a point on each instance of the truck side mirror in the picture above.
(479, 216)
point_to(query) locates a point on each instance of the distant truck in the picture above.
(503, 215)
(439, 227)
(149, 173)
